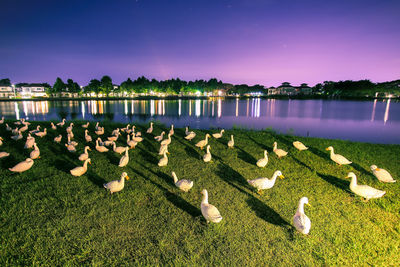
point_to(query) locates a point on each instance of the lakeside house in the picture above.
(6, 91)
(287, 89)
(32, 90)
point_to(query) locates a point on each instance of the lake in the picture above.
(366, 121)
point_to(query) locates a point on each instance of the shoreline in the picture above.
(278, 97)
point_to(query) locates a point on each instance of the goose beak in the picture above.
(377, 169)
(347, 177)
(308, 204)
(281, 176)
(127, 177)
(326, 148)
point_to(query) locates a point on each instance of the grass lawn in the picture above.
(49, 217)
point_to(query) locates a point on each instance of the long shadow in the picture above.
(319, 153)
(150, 146)
(147, 156)
(339, 183)
(266, 213)
(113, 158)
(233, 178)
(64, 165)
(302, 163)
(264, 147)
(360, 169)
(176, 200)
(95, 179)
(247, 157)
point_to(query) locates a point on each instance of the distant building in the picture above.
(32, 91)
(272, 91)
(286, 89)
(6, 91)
(304, 89)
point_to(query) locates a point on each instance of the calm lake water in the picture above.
(367, 121)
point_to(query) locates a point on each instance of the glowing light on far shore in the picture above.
(219, 107)
(16, 110)
(386, 117)
(179, 107)
(198, 109)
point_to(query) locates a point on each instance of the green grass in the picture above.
(49, 217)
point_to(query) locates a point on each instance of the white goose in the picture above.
(61, 124)
(35, 131)
(203, 143)
(118, 149)
(163, 161)
(183, 184)
(159, 137)
(58, 138)
(364, 191)
(264, 161)
(339, 159)
(23, 128)
(22, 166)
(30, 140)
(8, 128)
(300, 221)
(2, 120)
(85, 155)
(71, 148)
(1, 141)
(136, 138)
(73, 143)
(150, 129)
(85, 125)
(88, 138)
(279, 152)
(53, 126)
(99, 131)
(210, 212)
(15, 131)
(207, 157)
(17, 137)
(299, 145)
(382, 175)
(124, 159)
(35, 153)
(100, 148)
(265, 183)
(129, 142)
(189, 135)
(163, 148)
(117, 185)
(171, 131)
(218, 135)
(80, 170)
(115, 132)
(69, 128)
(4, 154)
(113, 138)
(166, 141)
(231, 142)
(42, 134)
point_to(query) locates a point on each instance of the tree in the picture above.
(5, 82)
(59, 86)
(73, 87)
(106, 85)
(94, 86)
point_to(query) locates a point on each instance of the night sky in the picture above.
(253, 41)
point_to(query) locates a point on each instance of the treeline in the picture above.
(177, 86)
(357, 88)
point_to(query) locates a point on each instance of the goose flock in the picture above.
(211, 214)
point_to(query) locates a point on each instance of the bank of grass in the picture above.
(48, 217)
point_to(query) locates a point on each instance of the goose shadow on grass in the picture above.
(189, 149)
(339, 183)
(233, 178)
(95, 179)
(247, 157)
(64, 164)
(320, 153)
(147, 156)
(360, 169)
(264, 147)
(113, 158)
(175, 199)
(263, 211)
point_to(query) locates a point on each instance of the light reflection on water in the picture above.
(377, 121)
